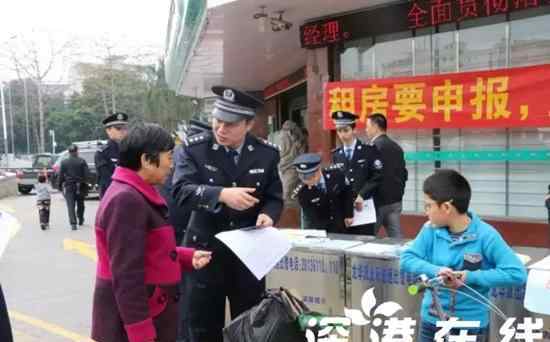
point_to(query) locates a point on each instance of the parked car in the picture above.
(86, 150)
(27, 177)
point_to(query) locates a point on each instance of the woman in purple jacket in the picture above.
(139, 266)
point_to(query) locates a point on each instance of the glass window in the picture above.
(423, 55)
(393, 55)
(483, 47)
(530, 41)
(357, 60)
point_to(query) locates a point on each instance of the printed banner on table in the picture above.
(517, 97)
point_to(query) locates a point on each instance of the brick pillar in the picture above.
(317, 73)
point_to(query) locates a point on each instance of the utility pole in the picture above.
(4, 122)
(26, 96)
(10, 106)
(52, 133)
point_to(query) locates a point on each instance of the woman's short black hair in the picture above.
(449, 185)
(379, 120)
(144, 139)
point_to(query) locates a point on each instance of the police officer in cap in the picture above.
(325, 195)
(361, 163)
(230, 180)
(106, 158)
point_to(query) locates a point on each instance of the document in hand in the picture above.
(259, 249)
(365, 216)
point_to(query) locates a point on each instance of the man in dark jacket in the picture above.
(106, 158)
(361, 163)
(388, 198)
(5, 326)
(230, 180)
(72, 181)
(325, 195)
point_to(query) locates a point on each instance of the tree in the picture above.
(34, 58)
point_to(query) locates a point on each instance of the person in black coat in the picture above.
(388, 198)
(229, 179)
(73, 174)
(5, 326)
(106, 158)
(325, 195)
(361, 163)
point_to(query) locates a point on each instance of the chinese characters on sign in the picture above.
(425, 13)
(322, 33)
(496, 99)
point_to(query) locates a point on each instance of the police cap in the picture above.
(343, 118)
(307, 163)
(117, 118)
(233, 105)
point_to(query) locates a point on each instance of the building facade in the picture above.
(373, 42)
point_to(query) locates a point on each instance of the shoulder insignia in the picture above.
(198, 138)
(297, 191)
(333, 167)
(335, 150)
(269, 144)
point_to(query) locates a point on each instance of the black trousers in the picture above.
(44, 211)
(205, 293)
(5, 327)
(74, 198)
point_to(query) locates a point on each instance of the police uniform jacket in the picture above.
(106, 160)
(364, 170)
(327, 209)
(139, 266)
(394, 172)
(205, 170)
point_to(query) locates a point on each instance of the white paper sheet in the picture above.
(259, 249)
(543, 264)
(366, 215)
(537, 292)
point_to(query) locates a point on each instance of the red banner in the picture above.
(517, 97)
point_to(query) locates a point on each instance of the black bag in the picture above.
(273, 320)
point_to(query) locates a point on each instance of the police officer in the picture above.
(73, 174)
(361, 163)
(325, 195)
(106, 158)
(230, 179)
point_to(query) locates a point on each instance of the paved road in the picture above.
(48, 276)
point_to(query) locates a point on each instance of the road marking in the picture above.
(83, 248)
(49, 327)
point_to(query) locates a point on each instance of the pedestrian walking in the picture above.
(43, 200)
(73, 174)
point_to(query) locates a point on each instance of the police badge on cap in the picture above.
(117, 118)
(233, 105)
(343, 118)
